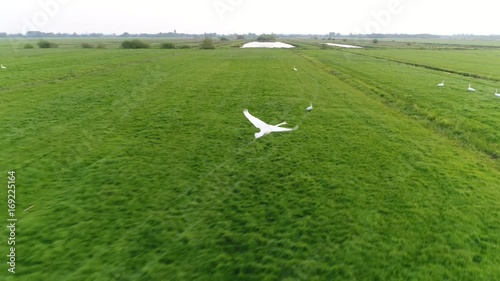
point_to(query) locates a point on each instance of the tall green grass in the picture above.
(140, 165)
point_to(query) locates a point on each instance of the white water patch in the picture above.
(343, 46)
(267, 45)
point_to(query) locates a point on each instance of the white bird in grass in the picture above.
(294, 68)
(441, 84)
(470, 89)
(265, 129)
(3, 67)
(496, 93)
(310, 107)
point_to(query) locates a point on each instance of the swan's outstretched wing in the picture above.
(280, 129)
(255, 121)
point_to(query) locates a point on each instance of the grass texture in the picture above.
(140, 165)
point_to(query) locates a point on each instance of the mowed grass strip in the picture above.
(151, 172)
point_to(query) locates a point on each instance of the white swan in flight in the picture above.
(470, 89)
(441, 84)
(265, 129)
(3, 67)
(496, 93)
(310, 107)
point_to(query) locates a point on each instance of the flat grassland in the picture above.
(140, 165)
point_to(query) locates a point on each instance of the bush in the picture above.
(87, 46)
(375, 41)
(167, 45)
(224, 38)
(325, 47)
(46, 44)
(134, 44)
(100, 46)
(207, 43)
(29, 46)
(266, 38)
(240, 37)
(184, 46)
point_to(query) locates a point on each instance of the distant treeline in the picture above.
(425, 36)
(40, 34)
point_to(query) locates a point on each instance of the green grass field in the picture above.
(140, 165)
(474, 63)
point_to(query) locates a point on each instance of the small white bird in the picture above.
(470, 89)
(3, 67)
(265, 129)
(294, 68)
(310, 107)
(441, 84)
(496, 93)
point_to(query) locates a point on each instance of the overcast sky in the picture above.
(256, 16)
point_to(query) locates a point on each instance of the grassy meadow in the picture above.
(140, 165)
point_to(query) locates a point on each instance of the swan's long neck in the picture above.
(283, 123)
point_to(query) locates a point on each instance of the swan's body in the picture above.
(265, 129)
(294, 68)
(496, 93)
(441, 84)
(310, 107)
(3, 67)
(470, 89)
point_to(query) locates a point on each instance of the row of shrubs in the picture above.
(42, 44)
(135, 44)
(138, 44)
(169, 45)
(207, 43)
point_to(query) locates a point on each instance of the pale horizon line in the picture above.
(6, 34)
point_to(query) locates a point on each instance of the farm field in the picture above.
(140, 165)
(475, 63)
(471, 118)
